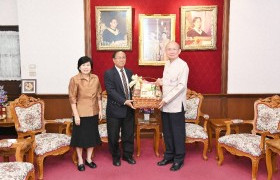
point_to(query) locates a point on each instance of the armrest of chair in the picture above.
(205, 117)
(236, 122)
(61, 123)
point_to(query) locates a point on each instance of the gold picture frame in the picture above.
(155, 31)
(113, 27)
(198, 27)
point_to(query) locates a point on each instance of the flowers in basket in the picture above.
(3, 96)
(136, 82)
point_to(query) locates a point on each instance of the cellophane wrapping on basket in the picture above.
(145, 94)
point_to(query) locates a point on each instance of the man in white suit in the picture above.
(173, 106)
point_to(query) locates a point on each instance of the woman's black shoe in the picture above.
(81, 167)
(91, 165)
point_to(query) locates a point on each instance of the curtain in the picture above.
(9, 56)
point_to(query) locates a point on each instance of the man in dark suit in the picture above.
(119, 112)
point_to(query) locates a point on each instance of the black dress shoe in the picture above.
(116, 162)
(164, 162)
(91, 165)
(130, 160)
(81, 167)
(176, 166)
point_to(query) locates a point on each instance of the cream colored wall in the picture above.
(51, 42)
(254, 44)
(8, 12)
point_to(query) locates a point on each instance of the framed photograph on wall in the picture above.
(113, 27)
(198, 27)
(28, 86)
(155, 31)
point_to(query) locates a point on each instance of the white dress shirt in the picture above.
(126, 79)
(174, 85)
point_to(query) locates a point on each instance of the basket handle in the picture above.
(150, 78)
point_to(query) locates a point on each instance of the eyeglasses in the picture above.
(120, 57)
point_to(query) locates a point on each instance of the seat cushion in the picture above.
(248, 143)
(15, 170)
(29, 118)
(47, 142)
(195, 131)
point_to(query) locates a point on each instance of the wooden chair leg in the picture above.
(40, 164)
(31, 155)
(274, 162)
(75, 157)
(220, 155)
(269, 165)
(32, 175)
(255, 166)
(205, 148)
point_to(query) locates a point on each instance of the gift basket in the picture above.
(145, 93)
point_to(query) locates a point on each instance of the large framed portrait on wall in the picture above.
(113, 27)
(155, 31)
(198, 27)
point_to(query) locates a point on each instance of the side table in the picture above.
(218, 125)
(151, 124)
(18, 148)
(8, 122)
(272, 148)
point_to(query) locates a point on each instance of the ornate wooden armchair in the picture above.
(28, 114)
(266, 123)
(102, 127)
(17, 170)
(193, 116)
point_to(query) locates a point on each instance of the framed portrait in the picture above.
(113, 27)
(28, 86)
(155, 31)
(198, 27)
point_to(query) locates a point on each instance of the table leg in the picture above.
(210, 138)
(156, 141)
(268, 163)
(217, 132)
(138, 140)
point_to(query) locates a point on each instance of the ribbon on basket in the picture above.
(136, 82)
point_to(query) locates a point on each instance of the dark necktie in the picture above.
(125, 85)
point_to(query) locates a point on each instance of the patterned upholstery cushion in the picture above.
(104, 106)
(267, 118)
(15, 170)
(5, 144)
(64, 120)
(195, 131)
(102, 128)
(47, 142)
(29, 118)
(248, 143)
(237, 121)
(192, 108)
